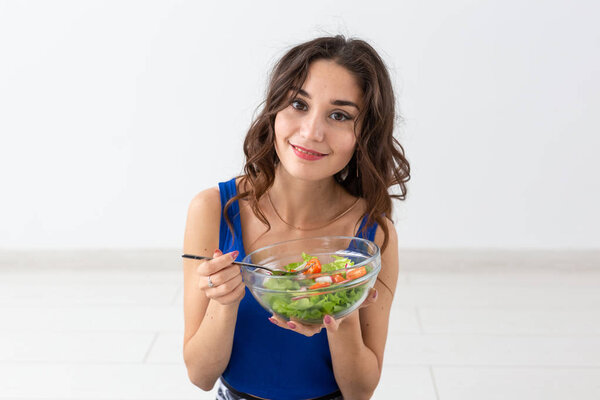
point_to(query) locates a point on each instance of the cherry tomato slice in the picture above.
(356, 273)
(314, 266)
(337, 278)
(320, 285)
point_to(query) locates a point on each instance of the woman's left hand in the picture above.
(329, 322)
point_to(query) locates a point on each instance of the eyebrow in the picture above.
(334, 102)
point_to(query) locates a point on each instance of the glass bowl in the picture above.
(349, 268)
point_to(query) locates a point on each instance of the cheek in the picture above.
(347, 143)
(278, 128)
(281, 126)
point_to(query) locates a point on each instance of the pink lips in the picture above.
(311, 157)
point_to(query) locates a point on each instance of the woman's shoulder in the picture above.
(206, 201)
(203, 222)
(392, 234)
(211, 197)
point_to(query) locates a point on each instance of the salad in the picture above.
(314, 306)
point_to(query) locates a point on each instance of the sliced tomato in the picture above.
(320, 285)
(313, 266)
(356, 273)
(337, 278)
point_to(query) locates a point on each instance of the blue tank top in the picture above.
(268, 361)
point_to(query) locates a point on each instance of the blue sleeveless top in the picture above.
(266, 360)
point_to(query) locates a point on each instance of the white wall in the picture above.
(114, 114)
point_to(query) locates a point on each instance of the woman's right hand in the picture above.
(220, 280)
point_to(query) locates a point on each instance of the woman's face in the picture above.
(314, 134)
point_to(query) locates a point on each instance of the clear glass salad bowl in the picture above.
(336, 273)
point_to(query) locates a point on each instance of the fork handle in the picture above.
(193, 257)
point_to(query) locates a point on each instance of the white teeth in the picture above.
(306, 152)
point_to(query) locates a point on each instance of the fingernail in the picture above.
(327, 319)
(291, 325)
(217, 252)
(273, 320)
(234, 254)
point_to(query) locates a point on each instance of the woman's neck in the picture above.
(303, 203)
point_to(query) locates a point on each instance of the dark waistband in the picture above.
(331, 396)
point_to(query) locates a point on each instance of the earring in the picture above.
(344, 173)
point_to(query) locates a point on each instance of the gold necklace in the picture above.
(312, 229)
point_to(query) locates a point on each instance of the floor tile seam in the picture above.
(150, 347)
(385, 365)
(549, 308)
(433, 382)
(492, 335)
(100, 331)
(67, 303)
(503, 286)
(389, 364)
(493, 273)
(141, 397)
(494, 307)
(87, 285)
(485, 285)
(90, 363)
(85, 306)
(496, 366)
(90, 331)
(595, 335)
(90, 276)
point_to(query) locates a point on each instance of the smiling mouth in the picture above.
(312, 153)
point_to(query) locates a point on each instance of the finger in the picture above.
(211, 281)
(371, 298)
(217, 263)
(225, 288)
(224, 275)
(216, 253)
(330, 323)
(203, 282)
(233, 296)
(306, 330)
(276, 321)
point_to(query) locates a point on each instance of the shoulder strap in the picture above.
(228, 190)
(369, 232)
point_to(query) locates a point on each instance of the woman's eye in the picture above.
(340, 117)
(298, 105)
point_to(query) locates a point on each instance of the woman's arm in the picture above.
(209, 313)
(357, 342)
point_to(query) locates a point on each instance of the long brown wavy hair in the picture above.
(378, 162)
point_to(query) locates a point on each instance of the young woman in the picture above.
(320, 159)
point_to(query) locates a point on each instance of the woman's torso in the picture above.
(268, 361)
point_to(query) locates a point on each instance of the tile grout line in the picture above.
(435, 389)
(386, 365)
(503, 366)
(145, 360)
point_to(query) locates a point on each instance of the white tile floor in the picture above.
(466, 325)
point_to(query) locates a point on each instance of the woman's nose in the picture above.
(312, 127)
